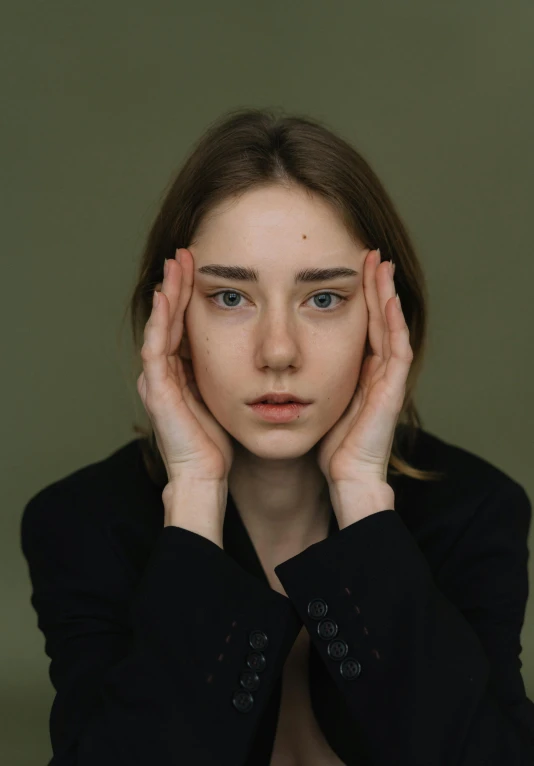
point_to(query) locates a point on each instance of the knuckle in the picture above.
(146, 353)
(148, 402)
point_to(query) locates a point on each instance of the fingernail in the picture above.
(155, 298)
(166, 267)
(178, 256)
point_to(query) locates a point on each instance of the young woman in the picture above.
(313, 583)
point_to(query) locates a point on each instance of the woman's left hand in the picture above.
(358, 447)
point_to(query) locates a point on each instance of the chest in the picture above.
(299, 740)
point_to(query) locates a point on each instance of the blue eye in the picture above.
(234, 292)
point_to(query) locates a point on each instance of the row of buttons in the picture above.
(337, 649)
(327, 629)
(249, 679)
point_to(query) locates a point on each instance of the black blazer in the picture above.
(166, 649)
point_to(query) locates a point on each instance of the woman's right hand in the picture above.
(191, 442)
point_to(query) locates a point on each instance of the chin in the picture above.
(276, 444)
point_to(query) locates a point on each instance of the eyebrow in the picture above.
(246, 274)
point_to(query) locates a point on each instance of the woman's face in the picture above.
(275, 333)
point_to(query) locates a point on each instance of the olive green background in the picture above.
(100, 103)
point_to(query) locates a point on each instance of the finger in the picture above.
(171, 283)
(155, 349)
(191, 381)
(141, 386)
(401, 356)
(185, 274)
(172, 287)
(387, 291)
(376, 317)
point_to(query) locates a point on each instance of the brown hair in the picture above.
(249, 148)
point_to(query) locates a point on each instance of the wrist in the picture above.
(353, 501)
(198, 505)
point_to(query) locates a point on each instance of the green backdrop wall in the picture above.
(100, 103)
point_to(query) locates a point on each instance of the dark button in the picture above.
(256, 661)
(258, 639)
(337, 649)
(242, 701)
(327, 629)
(317, 609)
(249, 680)
(350, 669)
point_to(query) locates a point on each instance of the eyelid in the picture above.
(342, 298)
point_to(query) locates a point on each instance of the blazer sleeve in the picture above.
(174, 669)
(431, 672)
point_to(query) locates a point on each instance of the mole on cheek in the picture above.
(304, 236)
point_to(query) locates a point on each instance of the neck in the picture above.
(284, 504)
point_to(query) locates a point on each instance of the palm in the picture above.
(357, 438)
(358, 446)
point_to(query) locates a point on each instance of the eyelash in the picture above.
(343, 298)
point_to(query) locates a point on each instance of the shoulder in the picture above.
(473, 494)
(464, 472)
(88, 503)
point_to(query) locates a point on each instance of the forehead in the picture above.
(273, 221)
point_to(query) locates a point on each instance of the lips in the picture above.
(274, 398)
(270, 401)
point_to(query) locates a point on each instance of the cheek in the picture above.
(218, 374)
(339, 385)
(340, 370)
(348, 348)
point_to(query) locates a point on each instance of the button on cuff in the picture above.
(317, 609)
